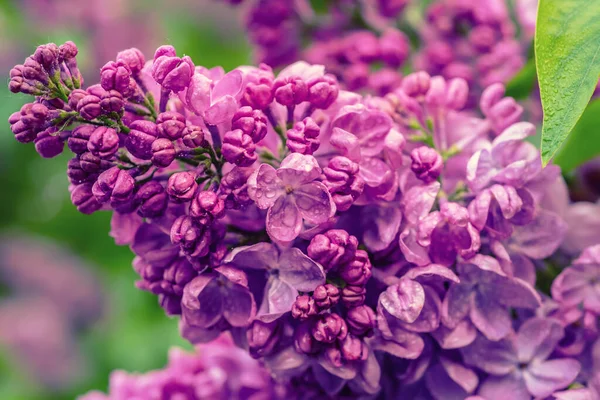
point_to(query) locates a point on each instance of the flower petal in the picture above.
(299, 271)
(413, 252)
(264, 186)
(496, 388)
(314, 202)
(198, 93)
(284, 221)
(480, 170)
(429, 317)
(496, 358)
(277, 300)
(202, 301)
(464, 377)
(418, 200)
(457, 304)
(369, 125)
(124, 227)
(298, 169)
(463, 335)
(346, 142)
(545, 378)
(258, 256)
(513, 292)
(221, 111)
(541, 237)
(537, 338)
(238, 306)
(404, 300)
(491, 318)
(228, 85)
(381, 223)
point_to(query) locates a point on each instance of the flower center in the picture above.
(288, 189)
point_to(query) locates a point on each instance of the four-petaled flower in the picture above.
(291, 194)
(289, 272)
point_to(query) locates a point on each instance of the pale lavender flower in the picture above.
(288, 272)
(485, 294)
(291, 194)
(521, 363)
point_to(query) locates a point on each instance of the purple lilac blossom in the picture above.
(215, 371)
(356, 245)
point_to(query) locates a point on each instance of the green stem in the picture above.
(188, 161)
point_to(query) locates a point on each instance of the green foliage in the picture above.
(521, 85)
(584, 142)
(567, 50)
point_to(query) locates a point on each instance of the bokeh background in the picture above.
(53, 258)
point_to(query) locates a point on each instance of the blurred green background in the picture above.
(133, 333)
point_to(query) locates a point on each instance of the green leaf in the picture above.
(567, 52)
(521, 85)
(584, 142)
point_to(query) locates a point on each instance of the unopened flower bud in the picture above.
(258, 95)
(172, 72)
(116, 75)
(83, 198)
(343, 181)
(112, 101)
(329, 328)
(75, 97)
(334, 356)
(427, 163)
(115, 185)
(353, 296)
(501, 111)
(78, 175)
(207, 206)
(303, 307)
(89, 107)
(353, 349)
(91, 163)
(170, 125)
(333, 249)
(252, 122)
(78, 141)
(394, 47)
(193, 136)
(163, 152)
(192, 238)
(326, 296)
(323, 91)
(133, 58)
(140, 138)
(103, 142)
(304, 342)
(290, 91)
(47, 55)
(182, 186)
(152, 200)
(358, 271)
(361, 320)
(416, 84)
(48, 143)
(263, 337)
(303, 138)
(238, 148)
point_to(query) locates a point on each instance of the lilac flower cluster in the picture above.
(216, 371)
(473, 40)
(352, 39)
(356, 245)
(361, 43)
